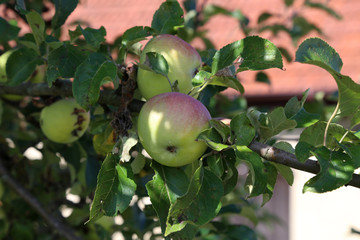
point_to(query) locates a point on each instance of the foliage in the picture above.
(107, 169)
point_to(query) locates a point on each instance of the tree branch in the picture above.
(64, 88)
(279, 156)
(63, 230)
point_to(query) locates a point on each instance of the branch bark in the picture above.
(279, 156)
(55, 223)
(64, 88)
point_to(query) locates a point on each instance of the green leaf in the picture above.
(269, 125)
(114, 191)
(263, 17)
(227, 81)
(336, 169)
(21, 65)
(156, 63)
(317, 52)
(168, 18)
(221, 128)
(63, 8)
(285, 171)
(257, 178)
(213, 139)
(230, 175)
(37, 26)
(207, 204)
(176, 220)
(242, 132)
(167, 185)
(262, 77)
(94, 37)
(288, 3)
(324, 7)
(355, 119)
(132, 36)
(63, 62)
(227, 55)
(7, 31)
(272, 175)
(353, 151)
(294, 109)
(201, 77)
(303, 151)
(89, 76)
(314, 135)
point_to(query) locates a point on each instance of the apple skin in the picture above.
(182, 58)
(64, 121)
(168, 125)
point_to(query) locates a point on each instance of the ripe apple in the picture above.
(183, 60)
(168, 126)
(64, 121)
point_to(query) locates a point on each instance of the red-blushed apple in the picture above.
(64, 121)
(183, 61)
(168, 125)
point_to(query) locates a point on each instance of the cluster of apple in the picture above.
(169, 122)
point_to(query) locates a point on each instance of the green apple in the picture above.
(183, 61)
(3, 77)
(64, 121)
(168, 125)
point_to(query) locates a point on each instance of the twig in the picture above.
(64, 88)
(62, 229)
(279, 156)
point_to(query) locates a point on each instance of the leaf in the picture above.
(89, 76)
(227, 55)
(355, 120)
(272, 174)
(37, 26)
(20, 65)
(294, 109)
(323, 7)
(262, 77)
(336, 169)
(168, 18)
(353, 151)
(314, 135)
(317, 52)
(207, 204)
(167, 185)
(213, 139)
(285, 171)
(227, 81)
(156, 63)
(132, 36)
(176, 219)
(269, 125)
(242, 132)
(201, 77)
(94, 37)
(127, 143)
(63, 8)
(114, 191)
(303, 151)
(221, 128)
(257, 179)
(288, 3)
(63, 62)
(7, 31)
(263, 17)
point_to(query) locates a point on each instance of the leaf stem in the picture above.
(328, 123)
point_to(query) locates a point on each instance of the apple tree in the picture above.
(92, 144)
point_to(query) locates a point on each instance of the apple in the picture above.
(3, 76)
(64, 121)
(168, 125)
(183, 61)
